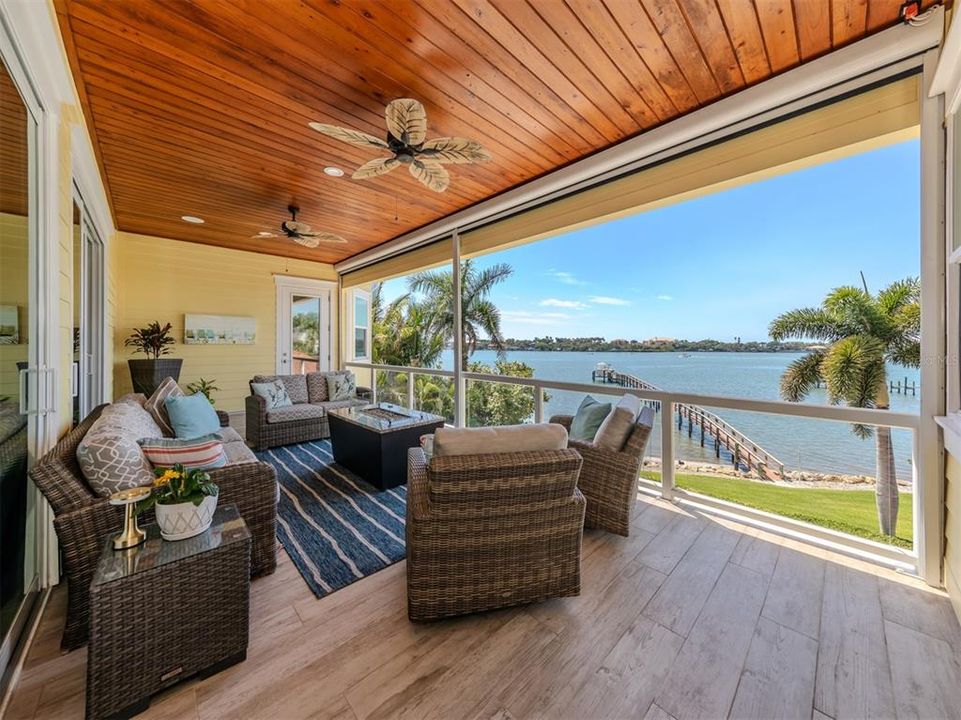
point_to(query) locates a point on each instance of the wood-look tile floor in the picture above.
(690, 617)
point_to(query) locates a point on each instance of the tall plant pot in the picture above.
(148, 374)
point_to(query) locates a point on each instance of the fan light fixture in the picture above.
(408, 144)
(192, 219)
(333, 171)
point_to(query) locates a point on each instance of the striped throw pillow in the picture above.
(157, 407)
(200, 453)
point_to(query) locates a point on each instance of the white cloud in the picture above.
(605, 300)
(565, 277)
(666, 298)
(535, 318)
(569, 304)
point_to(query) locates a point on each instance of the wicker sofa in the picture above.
(83, 520)
(305, 420)
(609, 479)
(490, 531)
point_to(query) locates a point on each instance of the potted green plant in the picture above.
(183, 500)
(206, 387)
(154, 341)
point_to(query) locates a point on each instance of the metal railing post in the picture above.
(410, 390)
(667, 450)
(373, 386)
(460, 386)
(538, 403)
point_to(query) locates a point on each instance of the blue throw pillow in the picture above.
(192, 415)
(588, 419)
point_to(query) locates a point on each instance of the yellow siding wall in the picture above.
(161, 279)
(952, 525)
(14, 277)
(68, 115)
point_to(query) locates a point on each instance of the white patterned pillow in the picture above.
(157, 407)
(341, 386)
(111, 461)
(110, 457)
(275, 393)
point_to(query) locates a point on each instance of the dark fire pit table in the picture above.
(372, 440)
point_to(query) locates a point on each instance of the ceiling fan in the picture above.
(407, 140)
(300, 232)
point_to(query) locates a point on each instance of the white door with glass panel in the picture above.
(303, 326)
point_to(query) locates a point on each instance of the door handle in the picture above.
(22, 388)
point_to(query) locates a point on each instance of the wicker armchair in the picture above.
(82, 520)
(609, 479)
(491, 531)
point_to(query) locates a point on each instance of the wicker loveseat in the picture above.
(305, 420)
(83, 520)
(609, 479)
(491, 531)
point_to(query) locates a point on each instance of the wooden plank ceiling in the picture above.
(13, 147)
(201, 107)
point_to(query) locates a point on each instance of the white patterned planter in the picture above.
(184, 520)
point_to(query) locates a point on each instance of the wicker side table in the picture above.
(166, 611)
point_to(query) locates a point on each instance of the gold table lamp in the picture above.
(132, 535)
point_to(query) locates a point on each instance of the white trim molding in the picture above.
(947, 77)
(326, 291)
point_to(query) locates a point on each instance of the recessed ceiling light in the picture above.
(333, 171)
(192, 219)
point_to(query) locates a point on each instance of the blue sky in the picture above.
(722, 265)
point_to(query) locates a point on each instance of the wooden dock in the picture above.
(711, 429)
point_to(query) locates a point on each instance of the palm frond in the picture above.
(858, 311)
(801, 376)
(806, 324)
(899, 294)
(849, 370)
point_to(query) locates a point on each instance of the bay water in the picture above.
(800, 443)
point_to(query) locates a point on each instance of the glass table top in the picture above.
(227, 528)
(384, 417)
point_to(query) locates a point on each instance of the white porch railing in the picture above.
(841, 542)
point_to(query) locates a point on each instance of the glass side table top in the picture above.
(384, 417)
(227, 527)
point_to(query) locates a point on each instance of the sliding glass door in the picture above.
(19, 378)
(88, 313)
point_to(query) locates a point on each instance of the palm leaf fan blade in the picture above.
(407, 121)
(347, 135)
(432, 175)
(329, 238)
(454, 150)
(373, 168)
(309, 241)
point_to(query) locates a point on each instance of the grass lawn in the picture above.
(850, 511)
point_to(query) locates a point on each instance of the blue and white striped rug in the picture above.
(336, 527)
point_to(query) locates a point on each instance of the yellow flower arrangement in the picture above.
(166, 477)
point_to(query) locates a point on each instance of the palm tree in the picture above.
(480, 317)
(402, 333)
(859, 334)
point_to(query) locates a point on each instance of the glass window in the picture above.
(361, 325)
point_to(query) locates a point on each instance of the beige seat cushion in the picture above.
(228, 435)
(237, 452)
(501, 439)
(305, 411)
(617, 426)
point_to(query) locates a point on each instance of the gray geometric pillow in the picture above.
(275, 393)
(111, 461)
(316, 387)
